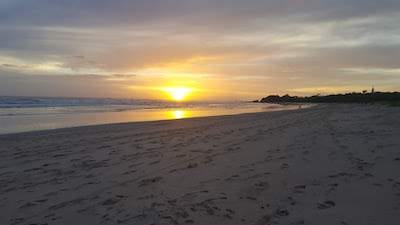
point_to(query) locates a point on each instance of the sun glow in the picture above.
(178, 93)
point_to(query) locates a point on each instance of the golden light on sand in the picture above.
(178, 93)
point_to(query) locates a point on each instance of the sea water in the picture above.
(20, 114)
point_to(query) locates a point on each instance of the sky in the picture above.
(219, 49)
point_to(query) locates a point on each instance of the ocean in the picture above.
(21, 114)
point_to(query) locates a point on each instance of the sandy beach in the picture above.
(329, 164)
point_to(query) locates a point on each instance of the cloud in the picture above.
(87, 85)
(97, 12)
(278, 46)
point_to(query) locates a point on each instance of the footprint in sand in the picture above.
(284, 166)
(145, 182)
(282, 212)
(27, 205)
(261, 185)
(110, 201)
(192, 165)
(299, 189)
(326, 205)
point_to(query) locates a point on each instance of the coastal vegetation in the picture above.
(391, 98)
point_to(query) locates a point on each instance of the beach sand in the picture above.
(329, 164)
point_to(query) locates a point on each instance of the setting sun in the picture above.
(178, 93)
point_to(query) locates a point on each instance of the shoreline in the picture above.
(304, 106)
(328, 164)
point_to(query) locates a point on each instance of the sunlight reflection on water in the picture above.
(51, 118)
(178, 114)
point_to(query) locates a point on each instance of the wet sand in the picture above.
(329, 164)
